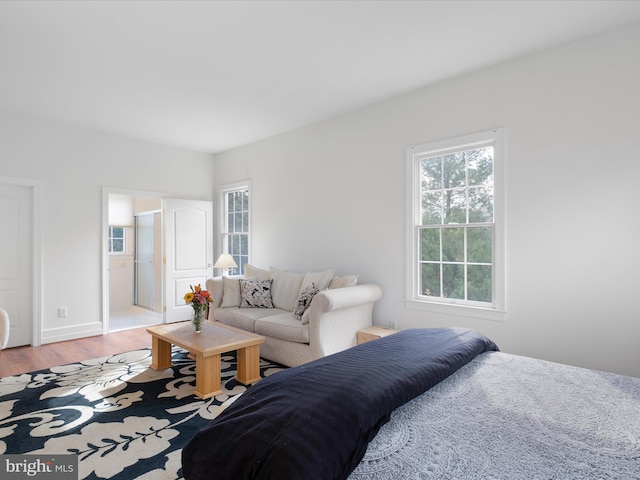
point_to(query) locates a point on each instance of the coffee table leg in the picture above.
(208, 381)
(160, 354)
(248, 364)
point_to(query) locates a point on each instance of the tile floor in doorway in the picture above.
(133, 317)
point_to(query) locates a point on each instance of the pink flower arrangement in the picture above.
(198, 298)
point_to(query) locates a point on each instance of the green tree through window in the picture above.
(457, 249)
(457, 217)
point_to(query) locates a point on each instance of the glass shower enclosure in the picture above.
(148, 261)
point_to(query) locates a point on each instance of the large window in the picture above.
(455, 225)
(235, 224)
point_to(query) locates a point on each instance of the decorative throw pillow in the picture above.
(304, 300)
(255, 294)
(305, 316)
(343, 281)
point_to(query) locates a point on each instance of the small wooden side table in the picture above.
(372, 333)
(206, 347)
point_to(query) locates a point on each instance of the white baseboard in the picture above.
(71, 333)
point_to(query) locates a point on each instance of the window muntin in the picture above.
(116, 240)
(455, 245)
(235, 229)
(456, 188)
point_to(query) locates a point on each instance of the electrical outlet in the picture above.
(392, 324)
(63, 312)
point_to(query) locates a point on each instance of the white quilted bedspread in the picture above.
(510, 417)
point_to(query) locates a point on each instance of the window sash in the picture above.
(116, 240)
(472, 304)
(442, 258)
(235, 223)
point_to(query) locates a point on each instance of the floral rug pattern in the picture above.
(121, 418)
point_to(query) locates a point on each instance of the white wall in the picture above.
(332, 196)
(74, 165)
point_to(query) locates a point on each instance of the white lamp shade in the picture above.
(225, 261)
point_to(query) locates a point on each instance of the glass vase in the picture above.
(198, 319)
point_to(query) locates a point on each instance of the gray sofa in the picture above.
(328, 325)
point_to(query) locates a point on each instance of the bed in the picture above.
(425, 403)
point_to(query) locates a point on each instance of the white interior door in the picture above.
(188, 235)
(16, 217)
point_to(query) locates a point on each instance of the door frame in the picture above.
(35, 187)
(106, 191)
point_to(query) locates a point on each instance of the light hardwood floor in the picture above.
(14, 361)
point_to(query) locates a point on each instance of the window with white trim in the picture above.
(235, 224)
(455, 225)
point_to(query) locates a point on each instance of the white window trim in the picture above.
(223, 190)
(497, 311)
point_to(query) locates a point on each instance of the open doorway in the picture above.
(183, 239)
(134, 261)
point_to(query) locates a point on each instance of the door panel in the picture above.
(188, 226)
(16, 261)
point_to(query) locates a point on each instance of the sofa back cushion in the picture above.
(257, 273)
(321, 280)
(285, 289)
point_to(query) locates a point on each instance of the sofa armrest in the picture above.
(347, 297)
(336, 315)
(216, 288)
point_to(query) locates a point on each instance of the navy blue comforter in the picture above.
(316, 420)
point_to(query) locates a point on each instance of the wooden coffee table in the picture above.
(215, 339)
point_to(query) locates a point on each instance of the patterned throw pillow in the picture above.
(255, 294)
(304, 300)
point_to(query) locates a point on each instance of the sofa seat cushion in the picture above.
(284, 326)
(244, 318)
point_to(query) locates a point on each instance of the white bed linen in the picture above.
(511, 417)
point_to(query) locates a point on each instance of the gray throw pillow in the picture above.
(255, 294)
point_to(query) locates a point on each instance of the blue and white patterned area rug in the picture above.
(121, 418)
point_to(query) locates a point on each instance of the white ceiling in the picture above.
(214, 75)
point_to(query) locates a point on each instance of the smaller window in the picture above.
(235, 223)
(116, 240)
